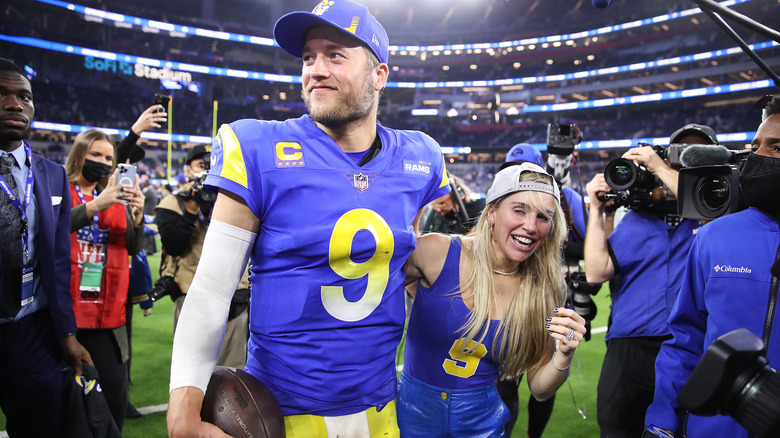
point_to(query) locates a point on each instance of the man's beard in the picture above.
(352, 104)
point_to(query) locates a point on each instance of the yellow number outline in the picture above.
(377, 268)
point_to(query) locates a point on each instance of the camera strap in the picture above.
(770, 311)
(567, 213)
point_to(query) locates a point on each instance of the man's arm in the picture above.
(598, 264)
(175, 230)
(203, 318)
(75, 351)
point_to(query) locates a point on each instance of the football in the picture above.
(241, 405)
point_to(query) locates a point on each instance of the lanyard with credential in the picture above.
(91, 271)
(27, 270)
(95, 227)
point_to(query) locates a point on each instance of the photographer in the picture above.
(182, 220)
(647, 249)
(730, 282)
(446, 215)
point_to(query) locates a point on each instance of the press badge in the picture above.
(91, 276)
(28, 285)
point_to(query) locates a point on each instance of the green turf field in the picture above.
(152, 340)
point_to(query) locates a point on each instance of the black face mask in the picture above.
(760, 182)
(93, 171)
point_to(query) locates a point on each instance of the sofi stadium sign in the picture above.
(139, 70)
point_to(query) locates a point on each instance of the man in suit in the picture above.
(37, 324)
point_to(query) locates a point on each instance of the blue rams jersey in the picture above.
(327, 306)
(435, 353)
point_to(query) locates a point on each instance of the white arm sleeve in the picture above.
(203, 318)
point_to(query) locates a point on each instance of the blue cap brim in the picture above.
(290, 30)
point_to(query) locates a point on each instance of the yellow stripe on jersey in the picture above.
(233, 167)
(381, 424)
(444, 179)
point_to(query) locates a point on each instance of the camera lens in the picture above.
(714, 192)
(622, 174)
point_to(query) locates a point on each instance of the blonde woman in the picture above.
(488, 305)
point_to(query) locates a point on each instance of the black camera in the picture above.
(165, 285)
(633, 185)
(578, 298)
(202, 196)
(708, 192)
(734, 378)
(562, 138)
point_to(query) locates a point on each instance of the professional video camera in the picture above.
(562, 138)
(633, 185)
(708, 185)
(734, 378)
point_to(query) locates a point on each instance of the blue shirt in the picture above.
(19, 171)
(327, 306)
(649, 254)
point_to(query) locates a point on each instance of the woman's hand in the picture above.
(110, 195)
(566, 322)
(135, 199)
(150, 118)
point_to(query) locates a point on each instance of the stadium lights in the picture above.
(483, 84)
(735, 137)
(590, 35)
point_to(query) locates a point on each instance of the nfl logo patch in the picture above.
(361, 182)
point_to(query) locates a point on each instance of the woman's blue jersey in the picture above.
(435, 351)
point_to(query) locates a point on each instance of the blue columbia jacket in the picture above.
(726, 286)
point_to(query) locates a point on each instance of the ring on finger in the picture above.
(570, 334)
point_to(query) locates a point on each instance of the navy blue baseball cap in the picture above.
(525, 152)
(347, 16)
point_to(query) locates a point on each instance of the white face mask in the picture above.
(559, 166)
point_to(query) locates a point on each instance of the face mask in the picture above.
(93, 171)
(760, 182)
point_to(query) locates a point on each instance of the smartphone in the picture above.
(126, 174)
(161, 99)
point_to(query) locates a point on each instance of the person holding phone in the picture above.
(106, 227)
(153, 117)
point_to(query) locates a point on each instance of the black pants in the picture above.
(31, 360)
(103, 348)
(626, 385)
(538, 412)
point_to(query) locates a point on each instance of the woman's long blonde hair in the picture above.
(524, 342)
(78, 153)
